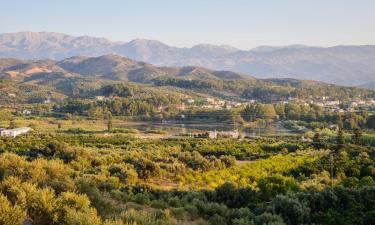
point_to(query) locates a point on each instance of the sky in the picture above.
(240, 23)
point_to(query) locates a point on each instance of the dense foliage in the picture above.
(91, 179)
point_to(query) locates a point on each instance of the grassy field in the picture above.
(95, 127)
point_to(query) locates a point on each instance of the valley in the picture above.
(187, 112)
(108, 140)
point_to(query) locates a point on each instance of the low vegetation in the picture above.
(65, 178)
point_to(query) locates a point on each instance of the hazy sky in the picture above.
(240, 23)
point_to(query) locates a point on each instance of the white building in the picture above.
(100, 98)
(26, 112)
(224, 134)
(14, 132)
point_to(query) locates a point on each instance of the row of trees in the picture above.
(312, 115)
(119, 106)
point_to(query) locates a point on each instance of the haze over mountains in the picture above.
(343, 65)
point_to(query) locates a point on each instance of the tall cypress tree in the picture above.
(340, 140)
(109, 123)
(317, 141)
(357, 136)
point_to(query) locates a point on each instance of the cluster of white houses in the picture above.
(224, 134)
(13, 132)
(218, 134)
(335, 105)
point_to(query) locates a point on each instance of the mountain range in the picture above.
(108, 67)
(342, 65)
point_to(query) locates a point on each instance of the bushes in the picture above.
(291, 209)
(192, 180)
(125, 172)
(43, 205)
(276, 184)
(145, 218)
(146, 168)
(89, 188)
(268, 219)
(235, 197)
(9, 214)
(75, 209)
(51, 173)
(338, 205)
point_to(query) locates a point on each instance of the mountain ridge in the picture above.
(342, 65)
(110, 66)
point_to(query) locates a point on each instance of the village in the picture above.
(325, 103)
(217, 134)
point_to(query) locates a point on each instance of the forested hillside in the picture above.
(83, 77)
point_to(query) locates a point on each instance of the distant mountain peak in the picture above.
(216, 49)
(344, 65)
(266, 48)
(210, 46)
(146, 41)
